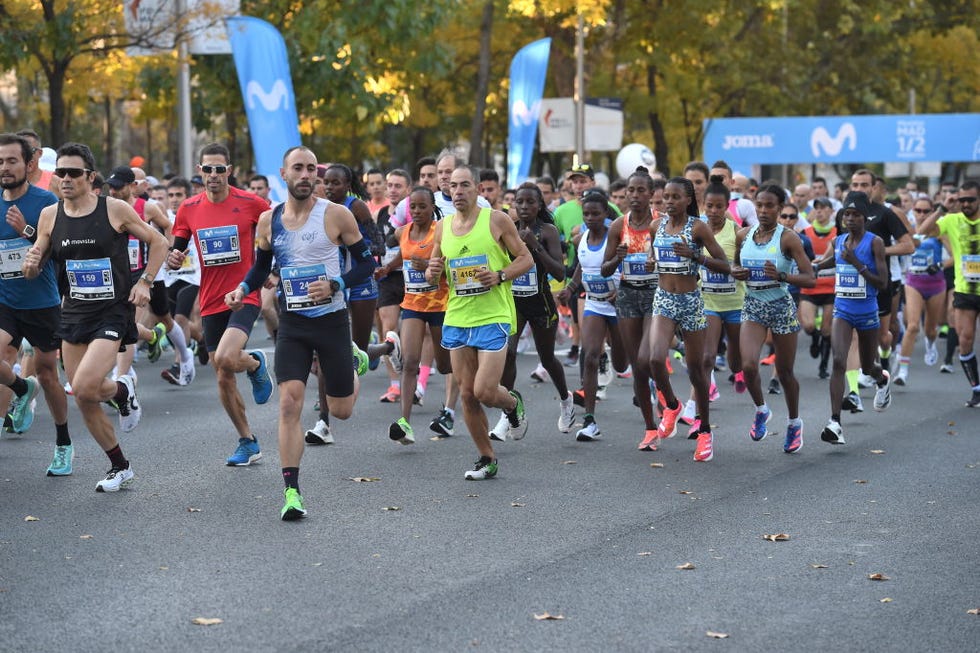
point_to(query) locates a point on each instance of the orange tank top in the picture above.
(420, 295)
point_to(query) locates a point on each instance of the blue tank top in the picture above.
(928, 252)
(304, 255)
(754, 257)
(853, 292)
(16, 291)
(663, 246)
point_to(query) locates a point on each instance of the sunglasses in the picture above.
(789, 216)
(218, 170)
(74, 173)
(967, 200)
(582, 167)
(922, 211)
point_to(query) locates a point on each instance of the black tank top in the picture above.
(93, 263)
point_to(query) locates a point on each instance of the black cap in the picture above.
(824, 202)
(121, 176)
(196, 179)
(858, 201)
(582, 169)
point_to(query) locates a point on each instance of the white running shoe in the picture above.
(396, 353)
(540, 374)
(187, 373)
(600, 392)
(115, 479)
(605, 369)
(319, 434)
(883, 395)
(589, 432)
(832, 433)
(567, 416)
(500, 430)
(932, 354)
(129, 411)
(865, 381)
(902, 378)
(689, 413)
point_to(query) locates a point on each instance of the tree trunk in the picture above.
(56, 103)
(660, 147)
(477, 154)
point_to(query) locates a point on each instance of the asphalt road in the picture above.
(421, 560)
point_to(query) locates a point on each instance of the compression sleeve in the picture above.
(362, 265)
(180, 243)
(259, 271)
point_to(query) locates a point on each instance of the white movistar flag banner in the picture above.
(603, 125)
(154, 23)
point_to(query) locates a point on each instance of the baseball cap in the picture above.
(196, 179)
(582, 169)
(858, 201)
(120, 176)
(824, 202)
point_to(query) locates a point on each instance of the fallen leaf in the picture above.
(317, 564)
(391, 508)
(193, 510)
(950, 432)
(860, 481)
(817, 565)
(547, 616)
(776, 537)
(878, 577)
(975, 611)
(684, 492)
(712, 633)
(569, 462)
(472, 496)
(32, 518)
(877, 451)
(950, 423)
(364, 479)
(686, 566)
(645, 553)
(164, 568)
(885, 600)
(657, 465)
(206, 621)
(515, 504)
(85, 537)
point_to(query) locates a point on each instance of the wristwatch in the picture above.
(502, 276)
(29, 231)
(782, 276)
(147, 279)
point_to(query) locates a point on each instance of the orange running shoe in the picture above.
(649, 441)
(703, 452)
(768, 360)
(392, 395)
(668, 421)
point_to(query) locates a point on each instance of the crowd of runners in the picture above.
(443, 268)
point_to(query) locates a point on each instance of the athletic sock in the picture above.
(952, 340)
(63, 439)
(396, 383)
(325, 417)
(424, 372)
(19, 386)
(117, 458)
(852, 380)
(179, 341)
(122, 392)
(969, 363)
(794, 421)
(290, 476)
(885, 355)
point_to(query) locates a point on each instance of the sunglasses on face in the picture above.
(582, 167)
(922, 211)
(218, 170)
(789, 216)
(967, 200)
(74, 173)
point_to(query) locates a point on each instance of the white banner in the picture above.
(154, 22)
(556, 129)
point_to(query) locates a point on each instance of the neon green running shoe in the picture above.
(361, 359)
(292, 508)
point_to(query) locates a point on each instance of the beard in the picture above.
(10, 185)
(300, 192)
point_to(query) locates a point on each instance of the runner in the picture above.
(222, 221)
(471, 248)
(87, 235)
(859, 258)
(764, 261)
(820, 297)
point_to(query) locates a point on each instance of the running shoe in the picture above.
(692, 433)
(768, 360)
(865, 381)
(361, 359)
(605, 370)
(815, 345)
(401, 431)
(832, 433)
(566, 416)
(689, 413)
(129, 410)
(758, 431)
(61, 465)
(589, 432)
(171, 375)
(902, 378)
(115, 479)
(179, 374)
(442, 423)
(626, 374)
(319, 434)
(246, 453)
(974, 401)
(945, 368)
(822, 372)
(501, 428)
(883, 395)
(668, 422)
(8, 424)
(292, 507)
(852, 402)
(396, 353)
(649, 442)
(704, 452)
(740, 386)
(517, 418)
(600, 393)
(154, 347)
(484, 468)
(713, 393)
(261, 383)
(774, 387)
(374, 362)
(392, 395)
(931, 356)
(540, 375)
(419, 397)
(22, 407)
(572, 359)
(188, 372)
(202, 353)
(794, 438)
(720, 363)
(578, 397)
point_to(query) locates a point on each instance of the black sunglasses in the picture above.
(789, 216)
(218, 170)
(923, 211)
(967, 200)
(74, 173)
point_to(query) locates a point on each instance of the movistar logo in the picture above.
(747, 141)
(821, 139)
(276, 98)
(522, 115)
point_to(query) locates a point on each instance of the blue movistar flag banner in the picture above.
(267, 89)
(843, 139)
(527, 75)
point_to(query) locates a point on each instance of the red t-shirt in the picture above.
(224, 234)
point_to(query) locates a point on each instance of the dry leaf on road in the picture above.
(391, 508)
(817, 565)
(860, 481)
(364, 479)
(684, 492)
(973, 611)
(878, 577)
(193, 510)
(569, 462)
(645, 553)
(517, 504)
(657, 465)
(206, 621)
(85, 537)
(547, 616)
(32, 518)
(877, 451)
(686, 566)
(712, 633)
(776, 537)
(885, 600)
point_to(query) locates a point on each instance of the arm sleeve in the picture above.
(180, 243)
(362, 265)
(259, 271)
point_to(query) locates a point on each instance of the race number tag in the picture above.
(296, 282)
(463, 273)
(12, 253)
(757, 275)
(90, 280)
(133, 249)
(717, 283)
(922, 258)
(526, 285)
(634, 270)
(597, 287)
(415, 281)
(668, 262)
(219, 245)
(970, 264)
(849, 284)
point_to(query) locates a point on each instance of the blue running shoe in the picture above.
(758, 431)
(246, 453)
(794, 438)
(22, 408)
(261, 383)
(373, 362)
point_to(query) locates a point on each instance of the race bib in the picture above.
(415, 281)
(634, 270)
(133, 248)
(849, 283)
(826, 272)
(526, 285)
(463, 273)
(757, 275)
(390, 254)
(717, 283)
(90, 280)
(970, 265)
(296, 282)
(597, 287)
(668, 262)
(12, 253)
(921, 260)
(219, 245)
